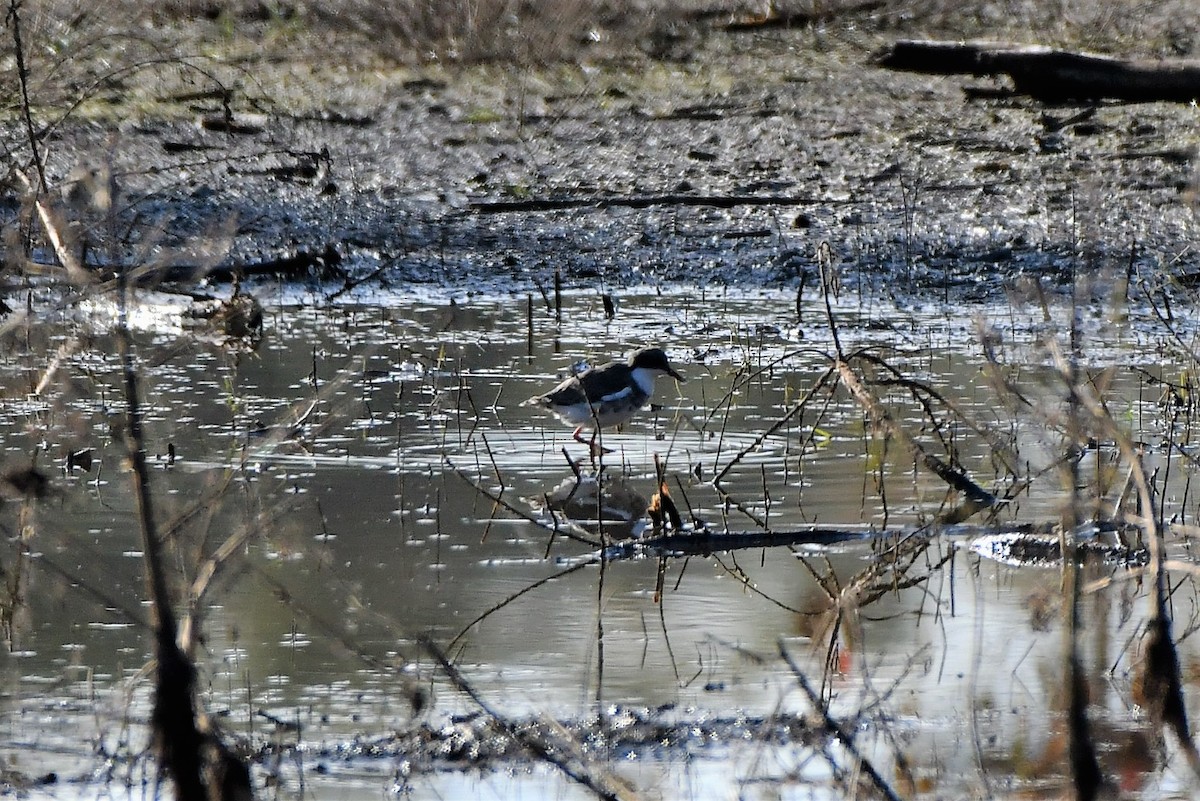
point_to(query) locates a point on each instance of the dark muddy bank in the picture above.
(728, 158)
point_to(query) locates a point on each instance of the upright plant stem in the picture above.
(173, 722)
(1086, 775)
(13, 20)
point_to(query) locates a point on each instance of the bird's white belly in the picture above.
(606, 414)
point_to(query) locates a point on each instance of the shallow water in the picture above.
(373, 522)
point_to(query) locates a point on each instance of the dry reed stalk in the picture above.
(1159, 682)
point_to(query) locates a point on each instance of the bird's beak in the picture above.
(676, 376)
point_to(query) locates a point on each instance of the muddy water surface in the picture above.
(390, 485)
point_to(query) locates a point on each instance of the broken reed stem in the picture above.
(487, 529)
(529, 324)
(828, 287)
(495, 467)
(558, 296)
(923, 394)
(600, 624)
(554, 533)
(604, 543)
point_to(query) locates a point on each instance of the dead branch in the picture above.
(834, 728)
(705, 541)
(1052, 75)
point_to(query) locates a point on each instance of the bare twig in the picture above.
(796, 409)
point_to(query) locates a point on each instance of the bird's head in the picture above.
(654, 359)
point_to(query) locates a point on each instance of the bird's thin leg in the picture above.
(580, 439)
(595, 447)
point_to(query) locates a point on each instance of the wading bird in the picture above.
(607, 395)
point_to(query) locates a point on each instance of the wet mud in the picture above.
(729, 163)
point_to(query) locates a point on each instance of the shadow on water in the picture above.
(393, 491)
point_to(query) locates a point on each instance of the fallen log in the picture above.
(1051, 75)
(297, 265)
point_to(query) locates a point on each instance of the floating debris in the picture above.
(479, 741)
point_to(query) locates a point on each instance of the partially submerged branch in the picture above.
(880, 416)
(844, 736)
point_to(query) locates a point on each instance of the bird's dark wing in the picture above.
(568, 393)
